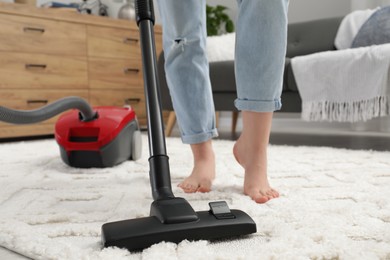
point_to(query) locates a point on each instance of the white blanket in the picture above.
(347, 85)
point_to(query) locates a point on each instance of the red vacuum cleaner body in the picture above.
(111, 138)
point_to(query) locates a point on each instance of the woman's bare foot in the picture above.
(250, 152)
(203, 172)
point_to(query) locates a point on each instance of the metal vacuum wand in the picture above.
(159, 167)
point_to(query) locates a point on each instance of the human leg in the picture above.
(260, 52)
(186, 66)
(250, 151)
(203, 172)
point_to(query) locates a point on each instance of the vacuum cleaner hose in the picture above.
(38, 115)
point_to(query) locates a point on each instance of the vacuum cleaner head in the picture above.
(173, 220)
(111, 138)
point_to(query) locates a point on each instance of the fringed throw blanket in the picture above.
(347, 85)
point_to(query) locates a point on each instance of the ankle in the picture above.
(203, 152)
(247, 151)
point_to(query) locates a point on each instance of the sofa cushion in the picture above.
(289, 83)
(287, 61)
(376, 30)
(222, 76)
(313, 36)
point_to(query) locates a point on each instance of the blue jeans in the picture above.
(261, 37)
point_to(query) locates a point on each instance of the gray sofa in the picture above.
(303, 38)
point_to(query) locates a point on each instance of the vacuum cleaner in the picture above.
(172, 219)
(112, 137)
(88, 137)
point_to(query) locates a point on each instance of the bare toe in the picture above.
(260, 198)
(257, 196)
(275, 193)
(190, 190)
(187, 186)
(204, 186)
(271, 194)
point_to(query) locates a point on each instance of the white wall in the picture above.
(113, 5)
(301, 10)
(306, 10)
(366, 4)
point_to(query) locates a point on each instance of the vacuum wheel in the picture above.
(136, 145)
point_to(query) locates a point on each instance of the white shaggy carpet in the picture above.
(334, 204)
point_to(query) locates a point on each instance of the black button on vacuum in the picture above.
(220, 210)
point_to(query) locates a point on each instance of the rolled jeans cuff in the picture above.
(258, 105)
(199, 138)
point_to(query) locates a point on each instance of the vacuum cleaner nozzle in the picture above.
(137, 234)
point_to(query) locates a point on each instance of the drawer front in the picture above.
(134, 98)
(114, 73)
(18, 33)
(9, 131)
(23, 70)
(33, 99)
(113, 43)
(159, 44)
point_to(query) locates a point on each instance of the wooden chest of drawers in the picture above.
(47, 54)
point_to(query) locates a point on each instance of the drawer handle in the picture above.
(129, 101)
(130, 70)
(36, 66)
(37, 101)
(34, 30)
(128, 40)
